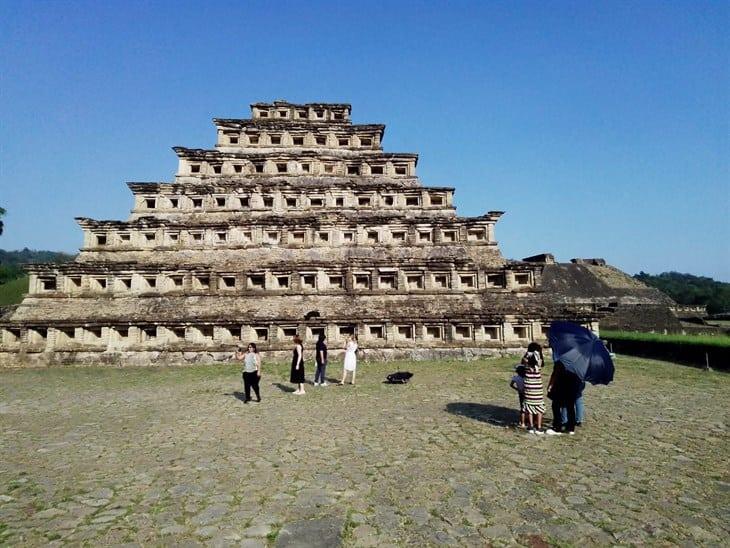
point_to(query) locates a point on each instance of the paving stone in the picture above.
(108, 516)
(204, 468)
(104, 493)
(497, 532)
(173, 530)
(256, 531)
(325, 533)
(365, 535)
(207, 531)
(210, 515)
(252, 543)
(221, 498)
(702, 535)
(49, 513)
(95, 502)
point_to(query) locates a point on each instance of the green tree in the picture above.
(11, 261)
(691, 290)
(2, 212)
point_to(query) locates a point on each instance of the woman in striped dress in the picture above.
(534, 399)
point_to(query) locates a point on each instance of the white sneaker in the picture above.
(551, 432)
(539, 432)
(571, 433)
(324, 383)
(316, 384)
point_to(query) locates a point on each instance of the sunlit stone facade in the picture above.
(296, 222)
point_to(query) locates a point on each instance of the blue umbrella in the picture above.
(581, 352)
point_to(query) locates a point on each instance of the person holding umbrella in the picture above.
(580, 412)
(563, 389)
(581, 353)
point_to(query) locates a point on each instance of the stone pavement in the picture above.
(173, 457)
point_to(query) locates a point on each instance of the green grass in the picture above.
(720, 341)
(12, 292)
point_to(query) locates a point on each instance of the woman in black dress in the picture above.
(297, 366)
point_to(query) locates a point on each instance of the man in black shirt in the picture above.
(321, 360)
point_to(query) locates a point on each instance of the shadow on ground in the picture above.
(485, 412)
(283, 387)
(238, 395)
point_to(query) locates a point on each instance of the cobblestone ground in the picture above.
(173, 457)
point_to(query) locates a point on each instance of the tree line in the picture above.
(11, 261)
(691, 290)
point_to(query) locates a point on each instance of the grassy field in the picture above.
(700, 340)
(12, 292)
(172, 456)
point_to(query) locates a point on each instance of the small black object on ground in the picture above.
(399, 377)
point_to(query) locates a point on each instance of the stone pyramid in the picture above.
(296, 222)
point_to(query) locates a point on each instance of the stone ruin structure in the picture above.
(296, 222)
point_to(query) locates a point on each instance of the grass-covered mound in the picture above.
(688, 340)
(700, 350)
(12, 292)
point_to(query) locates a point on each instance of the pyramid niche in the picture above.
(296, 222)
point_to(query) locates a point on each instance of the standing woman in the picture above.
(251, 371)
(297, 366)
(534, 399)
(321, 361)
(563, 388)
(350, 359)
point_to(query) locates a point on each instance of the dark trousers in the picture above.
(251, 380)
(569, 405)
(319, 374)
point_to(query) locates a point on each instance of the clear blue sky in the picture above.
(600, 128)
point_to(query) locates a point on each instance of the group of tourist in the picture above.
(252, 365)
(565, 389)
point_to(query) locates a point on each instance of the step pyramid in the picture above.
(297, 222)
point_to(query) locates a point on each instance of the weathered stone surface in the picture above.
(256, 531)
(211, 514)
(324, 533)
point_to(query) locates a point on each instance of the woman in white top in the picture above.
(251, 371)
(350, 358)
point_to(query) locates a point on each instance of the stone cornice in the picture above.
(321, 219)
(257, 124)
(354, 264)
(291, 153)
(296, 183)
(287, 104)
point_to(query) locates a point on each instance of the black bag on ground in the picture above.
(399, 377)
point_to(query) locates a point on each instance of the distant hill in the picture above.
(691, 290)
(11, 261)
